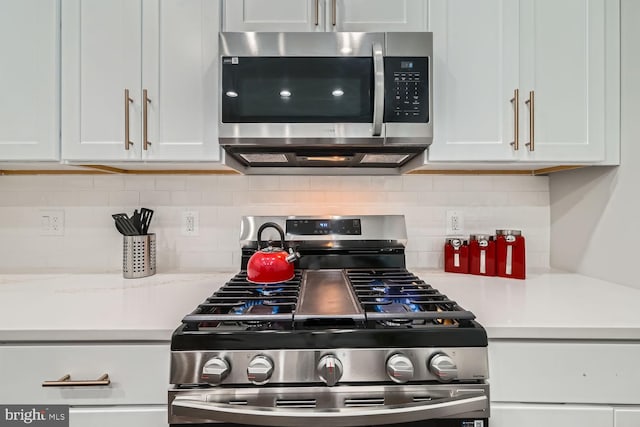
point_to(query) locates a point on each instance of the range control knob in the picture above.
(330, 369)
(443, 367)
(259, 370)
(400, 368)
(215, 370)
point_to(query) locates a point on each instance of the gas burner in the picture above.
(270, 290)
(255, 307)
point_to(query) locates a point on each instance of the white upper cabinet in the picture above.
(29, 100)
(166, 50)
(564, 53)
(325, 15)
(564, 63)
(273, 15)
(475, 74)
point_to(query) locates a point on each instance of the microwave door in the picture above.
(303, 100)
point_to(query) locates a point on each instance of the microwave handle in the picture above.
(378, 95)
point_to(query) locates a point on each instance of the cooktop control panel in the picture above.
(406, 90)
(311, 227)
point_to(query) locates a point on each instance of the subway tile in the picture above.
(233, 183)
(477, 183)
(78, 198)
(386, 183)
(124, 198)
(170, 183)
(21, 198)
(201, 182)
(422, 183)
(448, 183)
(210, 198)
(263, 182)
(186, 198)
(152, 199)
(403, 197)
(520, 183)
(108, 182)
(295, 183)
(140, 183)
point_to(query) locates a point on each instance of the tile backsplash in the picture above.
(91, 243)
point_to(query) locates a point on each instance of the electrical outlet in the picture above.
(190, 223)
(455, 222)
(52, 222)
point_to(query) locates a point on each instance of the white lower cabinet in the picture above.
(626, 417)
(136, 395)
(530, 415)
(138, 416)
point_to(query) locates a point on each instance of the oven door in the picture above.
(310, 88)
(341, 406)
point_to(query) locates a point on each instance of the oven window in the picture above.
(297, 90)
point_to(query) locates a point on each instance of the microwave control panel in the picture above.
(406, 89)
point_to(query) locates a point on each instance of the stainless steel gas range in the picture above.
(353, 339)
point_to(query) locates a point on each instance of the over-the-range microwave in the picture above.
(346, 102)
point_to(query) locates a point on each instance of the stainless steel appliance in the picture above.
(325, 102)
(354, 339)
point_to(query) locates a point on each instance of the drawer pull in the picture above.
(66, 381)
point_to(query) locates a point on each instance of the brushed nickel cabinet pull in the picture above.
(317, 12)
(334, 12)
(516, 119)
(145, 120)
(532, 117)
(127, 100)
(66, 381)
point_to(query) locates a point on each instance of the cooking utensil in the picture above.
(271, 264)
(124, 224)
(135, 219)
(145, 220)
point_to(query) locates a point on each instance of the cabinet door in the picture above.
(565, 61)
(29, 48)
(180, 74)
(273, 15)
(524, 415)
(475, 75)
(101, 42)
(118, 416)
(376, 15)
(626, 417)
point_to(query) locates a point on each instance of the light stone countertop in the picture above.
(106, 307)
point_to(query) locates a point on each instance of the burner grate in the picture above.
(396, 297)
(242, 303)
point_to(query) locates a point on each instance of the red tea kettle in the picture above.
(269, 265)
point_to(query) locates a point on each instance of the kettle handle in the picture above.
(270, 225)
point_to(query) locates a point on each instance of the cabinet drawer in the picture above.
(564, 372)
(139, 374)
(519, 415)
(138, 416)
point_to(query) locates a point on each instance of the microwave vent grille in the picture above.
(264, 158)
(384, 158)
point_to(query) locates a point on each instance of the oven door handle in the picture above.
(378, 94)
(199, 411)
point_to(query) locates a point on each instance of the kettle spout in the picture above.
(293, 256)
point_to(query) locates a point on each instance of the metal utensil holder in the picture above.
(139, 256)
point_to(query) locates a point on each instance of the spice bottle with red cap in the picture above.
(456, 255)
(510, 254)
(482, 255)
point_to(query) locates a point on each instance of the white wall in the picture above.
(91, 243)
(595, 212)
